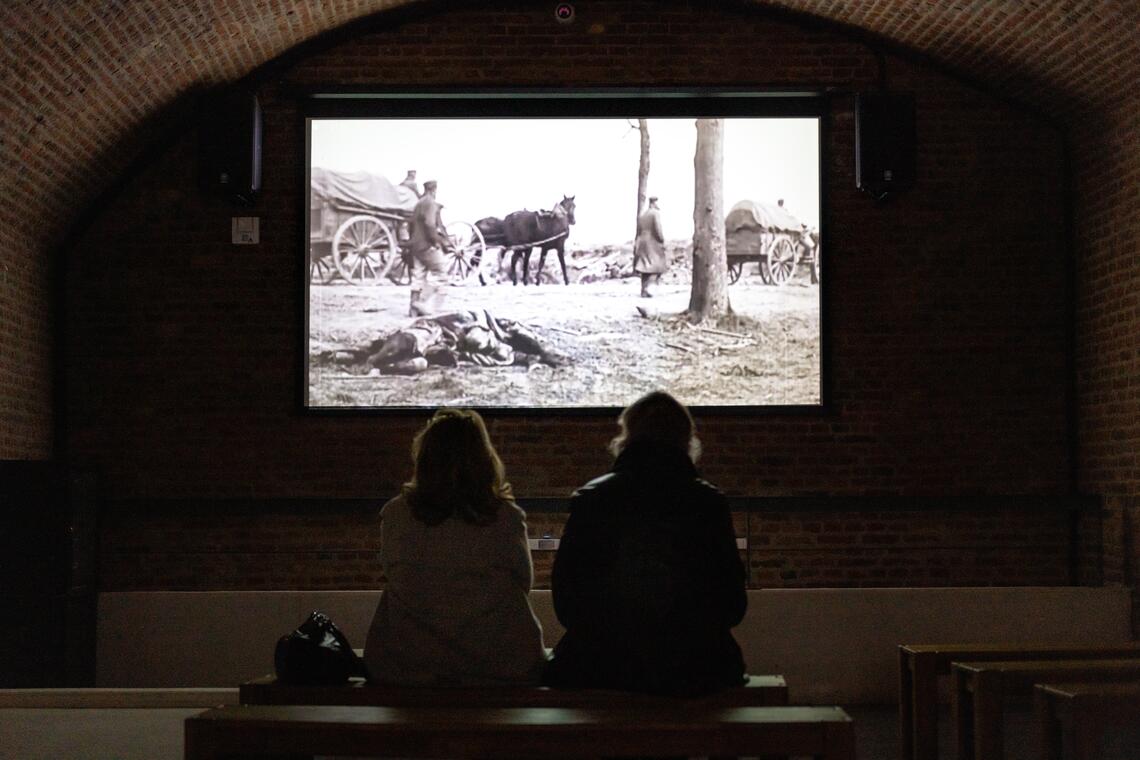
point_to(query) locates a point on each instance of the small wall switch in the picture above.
(742, 543)
(245, 230)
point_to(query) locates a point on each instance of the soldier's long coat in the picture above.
(649, 247)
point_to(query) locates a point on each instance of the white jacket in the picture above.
(455, 610)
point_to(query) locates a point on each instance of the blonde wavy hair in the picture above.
(659, 418)
(457, 472)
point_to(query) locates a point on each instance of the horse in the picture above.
(524, 230)
(491, 228)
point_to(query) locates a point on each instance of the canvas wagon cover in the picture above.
(358, 189)
(765, 215)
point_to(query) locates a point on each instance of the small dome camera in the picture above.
(564, 13)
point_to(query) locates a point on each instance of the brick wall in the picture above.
(1107, 239)
(26, 342)
(948, 325)
(208, 545)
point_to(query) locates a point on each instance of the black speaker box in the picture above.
(230, 146)
(884, 142)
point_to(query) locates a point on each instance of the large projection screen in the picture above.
(393, 324)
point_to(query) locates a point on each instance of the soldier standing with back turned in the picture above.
(649, 248)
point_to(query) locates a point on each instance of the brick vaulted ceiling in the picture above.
(81, 78)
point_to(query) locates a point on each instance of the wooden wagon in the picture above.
(358, 230)
(772, 238)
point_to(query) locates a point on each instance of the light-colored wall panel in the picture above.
(832, 645)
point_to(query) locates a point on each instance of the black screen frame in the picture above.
(415, 102)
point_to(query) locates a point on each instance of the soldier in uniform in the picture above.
(649, 248)
(428, 242)
(452, 338)
(410, 183)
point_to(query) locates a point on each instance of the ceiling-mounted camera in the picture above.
(564, 13)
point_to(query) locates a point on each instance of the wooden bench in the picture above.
(979, 689)
(825, 733)
(759, 691)
(1071, 718)
(920, 665)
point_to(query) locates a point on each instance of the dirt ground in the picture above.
(767, 352)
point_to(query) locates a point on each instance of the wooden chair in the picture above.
(979, 690)
(1071, 718)
(920, 665)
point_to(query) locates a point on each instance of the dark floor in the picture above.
(877, 733)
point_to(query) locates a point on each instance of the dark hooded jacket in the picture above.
(648, 581)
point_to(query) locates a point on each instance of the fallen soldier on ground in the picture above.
(448, 340)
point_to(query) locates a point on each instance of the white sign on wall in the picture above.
(245, 230)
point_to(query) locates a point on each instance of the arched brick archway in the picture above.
(86, 85)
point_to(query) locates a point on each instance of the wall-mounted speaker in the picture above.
(230, 146)
(884, 142)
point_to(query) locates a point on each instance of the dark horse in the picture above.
(523, 231)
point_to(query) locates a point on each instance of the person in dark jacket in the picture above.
(647, 580)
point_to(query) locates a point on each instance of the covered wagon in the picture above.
(358, 228)
(770, 236)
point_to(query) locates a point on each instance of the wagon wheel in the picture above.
(321, 269)
(467, 252)
(364, 250)
(816, 268)
(399, 268)
(781, 261)
(735, 268)
(765, 273)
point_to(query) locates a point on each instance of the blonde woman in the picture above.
(647, 580)
(455, 610)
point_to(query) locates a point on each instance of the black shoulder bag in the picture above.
(317, 653)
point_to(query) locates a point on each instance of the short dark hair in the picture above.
(659, 418)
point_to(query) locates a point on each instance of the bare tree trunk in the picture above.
(642, 168)
(709, 297)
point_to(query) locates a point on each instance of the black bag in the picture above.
(316, 653)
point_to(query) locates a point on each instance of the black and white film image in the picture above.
(543, 263)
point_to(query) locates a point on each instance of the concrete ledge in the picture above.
(114, 698)
(834, 646)
(45, 733)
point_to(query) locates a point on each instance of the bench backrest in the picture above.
(1026, 672)
(760, 691)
